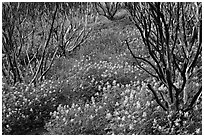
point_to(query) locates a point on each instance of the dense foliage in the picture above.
(74, 74)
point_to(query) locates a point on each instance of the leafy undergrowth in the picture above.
(122, 109)
(97, 98)
(99, 92)
(25, 107)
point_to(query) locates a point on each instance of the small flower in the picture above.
(91, 117)
(129, 116)
(72, 120)
(186, 114)
(64, 119)
(155, 121)
(138, 105)
(126, 112)
(131, 95)
(125, 101)
(148, 104)
(93, 100)
(121, 125)
(108, 87)
(131, 126)
(197, 131)
(123, 118)
(116, 113)
(114, 82)
(31, 110)
(108, 116)
(117, 104)
(104, 89)
(144, 114)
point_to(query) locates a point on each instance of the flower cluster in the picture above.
(25, 107)
(122, 110)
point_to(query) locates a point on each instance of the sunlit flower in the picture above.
(118, 85)
(131, 95)
(127, 91)
(64, 119)
(93, 100)
(125, 101)
(72, 120)
(186, 114)
(108, 116)
(126, 112)
(131, 126)
(121, 125)
(123, 118)
(114, 82)
(31, 110)
(198, 131)
(155, 121)
(148, 104)
(104, 89)
(138, 105)
(91, 117)
(117, 104)
(144, 114)
(108, 87)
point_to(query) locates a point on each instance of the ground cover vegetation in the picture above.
(102, 68)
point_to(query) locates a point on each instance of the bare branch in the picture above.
(46, 44)
(194, 99)
(143, 59)
(156, 97)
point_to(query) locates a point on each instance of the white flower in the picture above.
(126, 112)
(117, 104)
(121, 125)
(131, 126)
(91, 116)
(116, 113)
(129, 116)
(108, 116)
(64, 119)
(104, 89)
(93, 100)
(54, 113)
(118, 118)
(72, 120)
(99, 87)
(123, 118)
(186, 114)
(79, 108)
(114, 82)
(155, 121)
(148, 104)
(197, 131)
(138, 105)
(87, 105)
(131, 96)
(108, 87)
(144, 114)
(127, 91)
(125, 101)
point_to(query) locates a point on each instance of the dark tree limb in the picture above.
(156, 97)
(194, 99)
(46, 44)
(143, 59)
